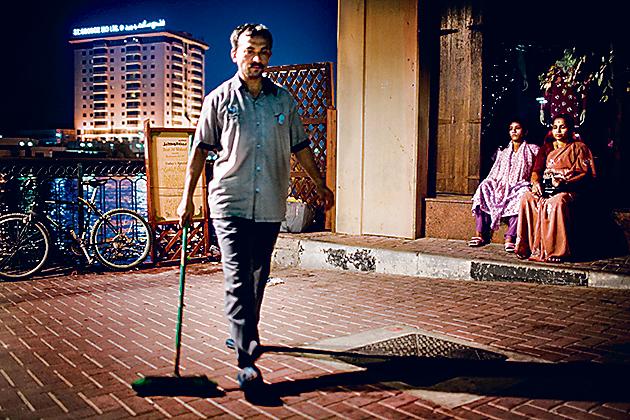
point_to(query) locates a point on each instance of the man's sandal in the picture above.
(509, 247)
(476, 241)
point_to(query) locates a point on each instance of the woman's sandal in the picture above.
(553, 260)
(476, 241)
(509, 247)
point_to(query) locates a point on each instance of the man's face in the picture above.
(251, 56)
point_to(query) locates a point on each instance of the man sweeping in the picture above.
(253, 125)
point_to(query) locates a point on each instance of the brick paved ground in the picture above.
(70, 345)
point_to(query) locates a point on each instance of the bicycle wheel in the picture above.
(121, 239)
(24, 246)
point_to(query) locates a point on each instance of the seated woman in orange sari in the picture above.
(565, 166)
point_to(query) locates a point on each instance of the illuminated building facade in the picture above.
(127, 74)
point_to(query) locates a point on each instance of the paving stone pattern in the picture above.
(71, 345)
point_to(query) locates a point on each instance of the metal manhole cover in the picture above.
(426, 346)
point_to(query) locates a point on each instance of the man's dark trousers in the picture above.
(246, 248)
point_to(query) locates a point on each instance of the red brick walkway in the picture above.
(70, 346)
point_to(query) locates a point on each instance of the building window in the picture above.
(144, 67)
(144, 48)
(168, 76)
(153, 66)
(83, 88)
(168, 48)
(111, 51)
(153, 94)
(84, 97)
(84, 115)
(152, 103)
(152, 84)
(144, 113)
(82, 52)
(111, 114)
(111, 77)
(144, 57)
(122, 96)
(111, 105)
(144, 94)
(153, 57)
(83, 62)
(152, 76)
(111, 69)
(152, 112)
(82, 70)
(84, 106)
(167, 85)
(152, 47)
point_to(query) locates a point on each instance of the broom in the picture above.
(177, 385)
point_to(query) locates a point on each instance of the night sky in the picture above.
(36, 65)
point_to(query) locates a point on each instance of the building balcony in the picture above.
(133, 68)
(133, 58)
(100, 52)
(100, 97)
(100, 70)
(100, 88)
(133, 86)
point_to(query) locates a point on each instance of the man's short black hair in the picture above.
(251, 29)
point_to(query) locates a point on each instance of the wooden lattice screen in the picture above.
(312, 87)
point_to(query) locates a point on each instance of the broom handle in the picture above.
(180, 308)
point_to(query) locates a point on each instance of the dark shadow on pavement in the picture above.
(569, 381)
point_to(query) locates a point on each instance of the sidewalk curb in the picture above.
(324, 255)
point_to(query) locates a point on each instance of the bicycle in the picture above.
(118, 239)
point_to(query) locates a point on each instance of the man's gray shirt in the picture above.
(254, 139)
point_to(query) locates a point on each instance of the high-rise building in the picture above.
(127, 74)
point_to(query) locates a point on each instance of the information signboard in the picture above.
(166, 154)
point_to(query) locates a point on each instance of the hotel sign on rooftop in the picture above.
(110, 29)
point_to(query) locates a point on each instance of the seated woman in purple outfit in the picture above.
(499, 195)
